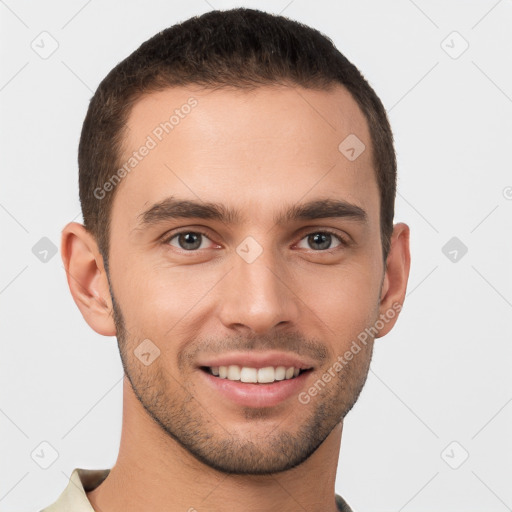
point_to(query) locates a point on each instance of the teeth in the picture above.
(255, 375)
(246, 374)
(266, 374)
(234, 372)
(280, 373)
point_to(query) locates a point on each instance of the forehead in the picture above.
(250, 149)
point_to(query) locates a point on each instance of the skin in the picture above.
(257, 151)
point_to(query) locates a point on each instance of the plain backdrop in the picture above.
(431, 430)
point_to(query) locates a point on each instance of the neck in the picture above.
(154, 472)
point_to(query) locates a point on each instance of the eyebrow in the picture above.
(174, 208)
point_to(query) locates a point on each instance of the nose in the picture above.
(258, 295)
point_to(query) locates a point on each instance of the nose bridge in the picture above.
(257, 295)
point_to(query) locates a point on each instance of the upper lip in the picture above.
(258, 360)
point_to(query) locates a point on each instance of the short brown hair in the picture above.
(243, 48)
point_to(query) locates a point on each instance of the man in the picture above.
(237, 182)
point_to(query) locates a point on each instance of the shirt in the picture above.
(74, 499)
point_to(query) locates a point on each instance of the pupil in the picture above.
(190, 238)
(323, 239)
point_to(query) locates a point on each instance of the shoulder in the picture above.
(341, 504)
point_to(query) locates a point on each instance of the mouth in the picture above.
(254, 387)
(255, 378)
(251, 375)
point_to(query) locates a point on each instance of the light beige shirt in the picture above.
(74, 499)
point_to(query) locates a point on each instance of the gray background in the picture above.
(439, 389)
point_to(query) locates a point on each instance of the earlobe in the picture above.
(87, 278)
(396, 276)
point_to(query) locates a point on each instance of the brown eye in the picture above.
(322, 240)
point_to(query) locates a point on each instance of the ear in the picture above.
(87, 278)
(396, 276)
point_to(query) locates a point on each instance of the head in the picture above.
(237, 182)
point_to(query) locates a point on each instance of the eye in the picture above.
(188, 240)
(322, 240)
(192, 241)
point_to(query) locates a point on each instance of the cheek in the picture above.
(161, 301)
(345, 299)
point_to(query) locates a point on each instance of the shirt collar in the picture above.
(84, 480)
(74, 496)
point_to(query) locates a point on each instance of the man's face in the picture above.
(209, 290)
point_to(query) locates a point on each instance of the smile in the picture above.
(266, 375)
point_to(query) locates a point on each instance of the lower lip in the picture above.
(256, 395)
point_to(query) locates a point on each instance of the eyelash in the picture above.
(343, 242)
